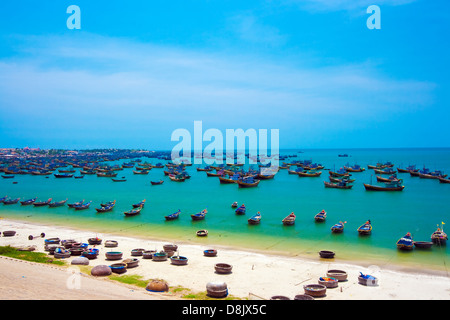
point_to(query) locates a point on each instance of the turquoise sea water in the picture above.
(422, 205)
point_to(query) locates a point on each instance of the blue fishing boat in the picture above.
(321, 216)
(3, 199)
(139, 204)
(57, 204)
(28, 202)
(366, 228)
(200, 215)
(338, 227)
(173, 216)
(255, 219)
(133, 211)
(387, 170)
(71, 205)
(105, 208)
(11, 201)
(42, 203)
(82, 206)
(241, 210)
(406, 242)
(248, 182)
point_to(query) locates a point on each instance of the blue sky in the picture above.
(138, 70)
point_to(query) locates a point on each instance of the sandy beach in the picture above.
(254, 275)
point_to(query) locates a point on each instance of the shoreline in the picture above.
(308, 253)
(251, 268)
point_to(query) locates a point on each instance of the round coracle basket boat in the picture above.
(118, 268)
(90, 253)
(137, 252)
(51, 248)
(303, 297)
(76, 251)
(223, 268)
(94, 241)
(202, 233)
(101, 271)
(111, 243)
(340, 275)
(315, 290)
(328, 282)
(160, 256)
(179, 260)
(367, 280)
(51, 240)
(217, 289)
(61, 253)
(326, 254)
(131, 262)
(113, 255)
(68, 243)
(9, 233)
(148, 254)
(210, 253)
(170, 247)
(157, 286)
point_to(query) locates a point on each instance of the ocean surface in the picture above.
(418, 209)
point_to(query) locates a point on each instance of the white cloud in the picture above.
(108, 78)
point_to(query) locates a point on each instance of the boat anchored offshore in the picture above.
(338, 227)
(439, 236)
(289, 220)
(256, 219)
(366, 228)
(406, 242)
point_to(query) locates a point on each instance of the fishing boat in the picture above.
(154, 183)
(439, 236)
(200, 215)
(28, 202)
(433, 175)
(216, 174)
(263, 176)
(444, 180)
(366, 228)
(231, 179)
(321, 216)
(11, 201)
(177, 178)
(338, 185)
(106, 208)
(3, 199)
(340, 173)
(390, 179)
(202, 233)
(83, 206)
(289, 220)
(234, 204)
(63, 175)
(71, 205)
(42, 203)
(423, 244)
(241, 210)
(354, 168)
(311, 173)
(248, 182)
(390, 186)
(141, 171)
(406, 242)
(8, 176)
(387, 170)
(408, 169)
(133, 212)
(342, 179)
(139, 204)
(255, 219)
(57, 204)
(338, 227)
(173, 216)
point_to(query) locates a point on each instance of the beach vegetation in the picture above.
(32, 256)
